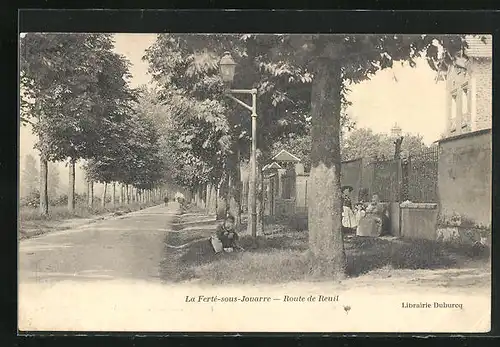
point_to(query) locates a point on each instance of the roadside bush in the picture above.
(32, 200)
(62, 200)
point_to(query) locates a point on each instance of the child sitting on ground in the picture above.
(227, 236)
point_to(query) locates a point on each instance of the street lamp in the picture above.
(227, 70)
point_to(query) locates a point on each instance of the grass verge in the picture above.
(32, 223)
(282, 256)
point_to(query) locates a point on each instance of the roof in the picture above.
(285, 156)
(272, 165)
(461, 136)
(479, 46)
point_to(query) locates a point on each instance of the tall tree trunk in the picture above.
(87, 190)
(127, 195)
(216, 203)
(210, 199)
(235, 185)
(221, 198)
(44, 196)
(205, 196)
(325, 207)
(71, 185)
(113, 195)
(261, 201)
(120, 195)
(227, 196)
(91, 194)
(104, 195)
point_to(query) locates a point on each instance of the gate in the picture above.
(421, 177)
(387, 179)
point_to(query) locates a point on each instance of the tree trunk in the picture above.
(216, 203)
(91, 194)
(209, 198)
(127, 196)
(221, 198)
(235, 185)
(87, 190)
(44, 196)
(205, 196)
(120, 193)
(325, 207)
(261, 200)
(71, 185)
(113, 195)
(229, 194)
(104, 195)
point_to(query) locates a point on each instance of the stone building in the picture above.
(465, 161)
(469, 89)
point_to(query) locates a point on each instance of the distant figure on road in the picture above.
(226, 237)
(165, 200)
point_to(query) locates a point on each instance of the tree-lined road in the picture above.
(129, 246)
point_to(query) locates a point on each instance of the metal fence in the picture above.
(386, 179)
(420, 177)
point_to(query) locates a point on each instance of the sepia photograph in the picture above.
(246, 182)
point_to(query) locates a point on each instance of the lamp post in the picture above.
(227, 69)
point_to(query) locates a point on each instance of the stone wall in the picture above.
(464, 177)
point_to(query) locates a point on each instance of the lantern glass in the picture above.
(227, 68)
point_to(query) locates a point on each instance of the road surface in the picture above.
(129, 246)
(106, 276)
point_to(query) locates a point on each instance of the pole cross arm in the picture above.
(243, 91)
(239, 102)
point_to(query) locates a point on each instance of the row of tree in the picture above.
(76, 97)
(303, 83)
(30, 178)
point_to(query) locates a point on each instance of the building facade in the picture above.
(465, 153)
(469, 89)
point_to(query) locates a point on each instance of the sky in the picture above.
(407, 96)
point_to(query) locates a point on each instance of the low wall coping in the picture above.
(418, 205)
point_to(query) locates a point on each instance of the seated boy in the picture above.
(227, 235)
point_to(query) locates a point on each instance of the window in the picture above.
(465, 107)
(453, 116)
(465, 100)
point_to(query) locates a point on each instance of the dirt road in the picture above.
(107, 277)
